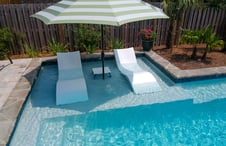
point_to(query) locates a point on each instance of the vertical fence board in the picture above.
(199, 18)
(222, 24)
(204, 14)
(27, 27)
(215, 20)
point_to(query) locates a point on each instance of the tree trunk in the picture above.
(193, 55)
(180, 25)
(8, 56)
(204, 56)
(205, 53)
(171, 35)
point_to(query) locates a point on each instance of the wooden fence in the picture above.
(17, 17)
(27, 1)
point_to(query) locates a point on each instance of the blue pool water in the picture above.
(191, 113)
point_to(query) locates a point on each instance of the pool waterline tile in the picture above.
(30, 67)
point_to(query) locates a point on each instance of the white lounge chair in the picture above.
(141, 81)
(71, 84)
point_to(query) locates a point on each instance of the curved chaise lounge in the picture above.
(71, 84)
(141, 81)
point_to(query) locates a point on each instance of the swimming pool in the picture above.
(191, 113)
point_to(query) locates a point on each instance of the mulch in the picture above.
(181, 57)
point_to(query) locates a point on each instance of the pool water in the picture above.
(180, 123)
(191, 113)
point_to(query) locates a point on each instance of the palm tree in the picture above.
(202, 36)
(192, 37)
(211, 40)
(176, 10)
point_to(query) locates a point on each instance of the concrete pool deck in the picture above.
(17, 79)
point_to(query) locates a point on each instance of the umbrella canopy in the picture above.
(104, 12)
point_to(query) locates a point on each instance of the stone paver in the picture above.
(10, 75)
(15, 84)
(16, 81)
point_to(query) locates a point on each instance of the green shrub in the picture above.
(56, 46)
(30, 51)
(116, 44)
(2, 56)
(193, 37)
(88, 37)
(6, 37)
(90, 48)
(18, 41)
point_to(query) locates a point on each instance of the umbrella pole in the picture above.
(102, 49)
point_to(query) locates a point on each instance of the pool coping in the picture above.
(178, 75)
(14, 104)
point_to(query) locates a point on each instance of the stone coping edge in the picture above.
(178, 75)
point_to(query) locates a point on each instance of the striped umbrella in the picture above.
(103, 12)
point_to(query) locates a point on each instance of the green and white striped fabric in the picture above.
(107, 12)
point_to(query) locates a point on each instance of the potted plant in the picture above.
(148, 37)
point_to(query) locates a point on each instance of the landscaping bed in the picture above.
(181, 57)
